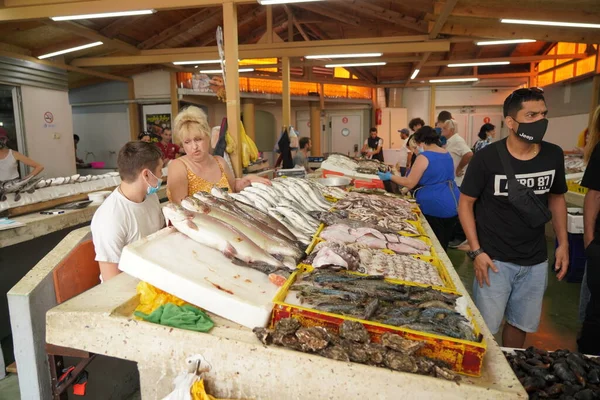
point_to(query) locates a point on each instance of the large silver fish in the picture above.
(254, 217)
(269, 241)
(218, 235)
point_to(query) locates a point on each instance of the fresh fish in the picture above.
(218, 235)
(262, 194)
(305, 217)
(297, 217)
(236, 217)
(269, 241)
(337, 235)
(256, 200)
(266, 188)
(239, 197)
(401, 248)
(299, 235)
(315, 195)
(412, 242)
(372, 242)
(268, 219)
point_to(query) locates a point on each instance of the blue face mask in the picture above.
(420, 149)
(154, 189)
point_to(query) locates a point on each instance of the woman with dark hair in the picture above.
(486, 134)
(433, 175)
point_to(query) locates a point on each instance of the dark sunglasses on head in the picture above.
(526, 91)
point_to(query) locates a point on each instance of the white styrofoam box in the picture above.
(575, 222)
(201, 276)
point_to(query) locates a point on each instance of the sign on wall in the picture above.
(156, 123)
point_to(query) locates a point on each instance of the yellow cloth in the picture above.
(152, 297)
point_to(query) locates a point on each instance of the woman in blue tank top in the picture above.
(432, 176)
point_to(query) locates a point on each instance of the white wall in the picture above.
(103, 130)
(564, 131)
(416, 100)
(49, 144)
(152, 85)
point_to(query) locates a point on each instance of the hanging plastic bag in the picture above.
(189, 385)
(152, 297)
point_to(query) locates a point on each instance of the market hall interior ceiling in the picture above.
(417, 39)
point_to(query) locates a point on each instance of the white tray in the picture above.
(201, 276)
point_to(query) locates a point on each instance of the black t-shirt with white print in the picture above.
(502, 234)
(591, 180)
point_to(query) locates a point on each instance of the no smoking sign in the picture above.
(48, 117)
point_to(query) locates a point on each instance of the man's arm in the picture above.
(108, 270)
(558, 207)
(591, 207)
(463, 163)
(467, 219)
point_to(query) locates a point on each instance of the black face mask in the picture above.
(532, 132)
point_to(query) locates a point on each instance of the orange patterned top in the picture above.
(197, 184)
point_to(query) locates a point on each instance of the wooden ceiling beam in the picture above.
(546, 11)
(15, 11)
(296, 24)
(494, 29)
(14, 49)
(294, 49)
(82, 31)
(60, 46)
(443, 15)
(179, 28)
(115, 27)
(513, 60)
(385, 14)
(331, 13)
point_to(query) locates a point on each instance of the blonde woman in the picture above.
(199, 170)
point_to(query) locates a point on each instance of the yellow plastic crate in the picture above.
(464, 356)
(575, 187)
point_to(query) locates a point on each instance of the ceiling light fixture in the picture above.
(414, 74)
(367, 64)
(197, 62)
(365, 55)
(508, 41)
(72, 49)
(550, 23)
(478, 64)
(103, 15)
(220, 71)
(453, 80)
(271, 2)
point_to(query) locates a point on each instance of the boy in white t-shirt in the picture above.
(132, 211)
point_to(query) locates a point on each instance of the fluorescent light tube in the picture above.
(414, 74)
(479, 64)
(453, 80)
(365, 55)
(550, 23)
(197, 62)
(366, 64)
(270, 2)
(103, 15)
(509, 41)
(220, 71)
(72, 49)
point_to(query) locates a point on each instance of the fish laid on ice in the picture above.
(218, 235)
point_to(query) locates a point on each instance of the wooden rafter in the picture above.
(177, 29)
(545, 11)
(73, 42)
(93, 35)
(296, 24)
(384, 14)
(448, 57)
(15, 11)
(433, 33)
(115, 27)
(209, 37)
(335, 14)
(494, 29)
(513, 60)
(212, 20)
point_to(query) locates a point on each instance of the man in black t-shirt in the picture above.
(590, 332)
(499, 238)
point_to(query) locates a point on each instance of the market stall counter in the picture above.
(101, 321)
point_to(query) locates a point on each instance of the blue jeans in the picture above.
(584, 296)
(515, 292)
